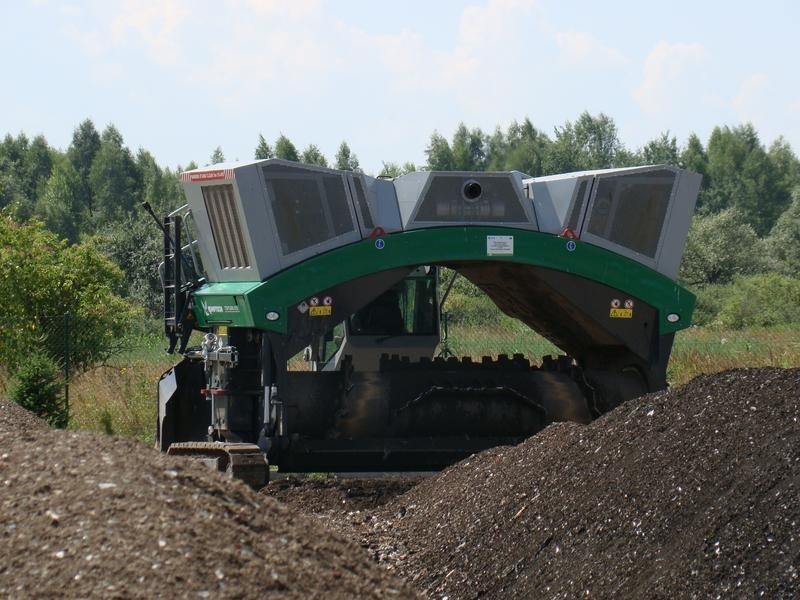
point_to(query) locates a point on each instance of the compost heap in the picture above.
(693, 492)
(333, 495)
(90, 516)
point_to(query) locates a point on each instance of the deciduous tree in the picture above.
(720, 246)
(114, 179)
(81, 152)
(439, 154)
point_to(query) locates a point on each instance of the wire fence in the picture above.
(69, 345)
(696, 350)
(41, 355)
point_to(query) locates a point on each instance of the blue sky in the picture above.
(180, 77)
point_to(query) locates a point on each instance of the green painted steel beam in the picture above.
(246, 304)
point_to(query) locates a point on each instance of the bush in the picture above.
(43, 278)
(37, 386)
(761, 301)
(710, 300)
(719, 247)
(750, 301)
(784, 240)
(467, 304)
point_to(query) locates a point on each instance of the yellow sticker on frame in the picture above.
(621, 313)
(320, 311)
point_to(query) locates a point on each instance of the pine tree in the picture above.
(346, 160)
(217, 156)
(285, 149)
(263, 149)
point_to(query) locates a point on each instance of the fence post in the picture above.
(67, 349)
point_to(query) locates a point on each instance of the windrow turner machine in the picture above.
(273, 259)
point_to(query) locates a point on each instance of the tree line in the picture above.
(747, 222)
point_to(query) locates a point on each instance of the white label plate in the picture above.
(499, 245)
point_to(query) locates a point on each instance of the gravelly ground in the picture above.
(91, 516)
(691, 493)
(339, 495)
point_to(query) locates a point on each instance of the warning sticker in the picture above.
(214, 175)
(621, 313)
(499, 245)
(320, 311)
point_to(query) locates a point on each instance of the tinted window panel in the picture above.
(299, 215)
(629, 210)
(338, 204)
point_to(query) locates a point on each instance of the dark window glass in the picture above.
(629, 210)
(299, 214)
(337, 204)
(577, 206)
(332, 343)
(361, 198)
(309, 207)
(408, 308)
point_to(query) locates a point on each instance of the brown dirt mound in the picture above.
(91, 516)
(338, 495)
(693, 492)
(15, 418)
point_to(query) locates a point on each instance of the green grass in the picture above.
(707, 350)
(504, 338)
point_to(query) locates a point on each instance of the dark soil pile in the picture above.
(91, 516)
(693, 492)
(334, 495)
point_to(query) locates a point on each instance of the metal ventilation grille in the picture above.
(225, 226)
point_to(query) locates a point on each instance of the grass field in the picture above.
(119, 397)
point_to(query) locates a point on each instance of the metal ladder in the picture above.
(174, 297)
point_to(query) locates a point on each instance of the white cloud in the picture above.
(485, 52)
(90, 42)
(669, 71)
(751, 98)
(273, 48)
(296, 9)
(103, 67)
(156, 23)
(580, 49)
(496, 22)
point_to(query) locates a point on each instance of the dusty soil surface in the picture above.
(91, 516)
(691, 493)
(337, 496)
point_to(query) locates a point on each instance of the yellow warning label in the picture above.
(621, 313)
(320, 311)
(222, 330)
